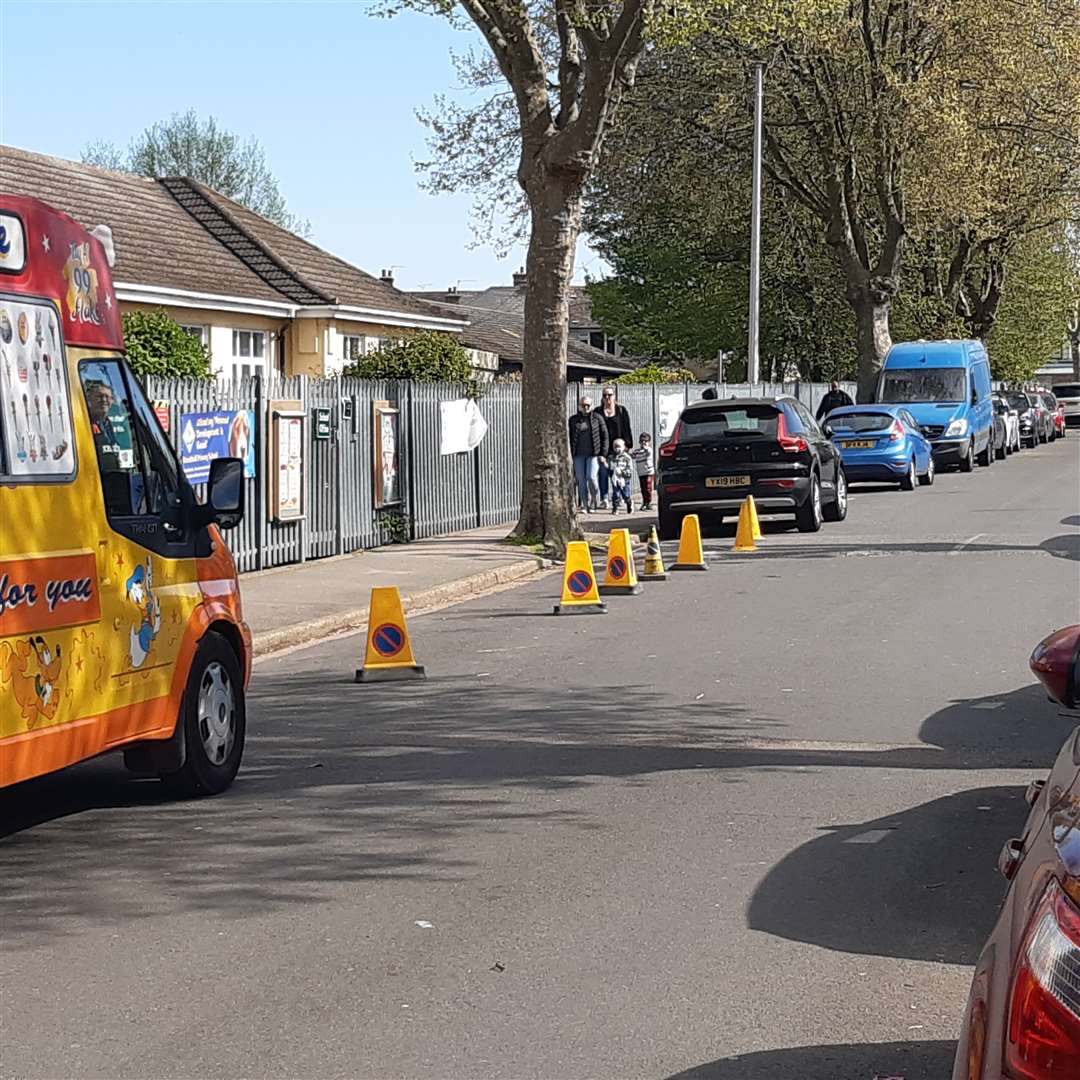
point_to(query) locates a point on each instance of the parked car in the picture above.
(882, 443)
(771, 448)
(946, 386)
(1006, 427)
(1068, 395)
(1057, 415)
(1023, 1012)
(1034, 421)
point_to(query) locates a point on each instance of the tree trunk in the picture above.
(548, 506)
(872, 303)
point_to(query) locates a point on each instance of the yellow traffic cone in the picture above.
(654, 561)
(389, 654)
(744, 535)
(691, 550)
(579, 593)
(753, 516)
(620, 575)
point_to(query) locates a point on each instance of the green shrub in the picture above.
(423, 356)
(158, 345)
(654, 373)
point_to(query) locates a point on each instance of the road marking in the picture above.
(988, 705)
(871, 837)
(970, 540)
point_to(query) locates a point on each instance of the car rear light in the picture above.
(791, 444)
(668, 449)
(897, 431)
(783, 484)
(1043, 1042)
(672, 488)
(1056, 662)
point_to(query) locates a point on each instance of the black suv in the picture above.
(771, 448)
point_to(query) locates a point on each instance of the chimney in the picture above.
(387, 278)
(451, 296)
(520, 279)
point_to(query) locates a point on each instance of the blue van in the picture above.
(946, 386)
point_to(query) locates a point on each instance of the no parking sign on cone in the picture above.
(580, 595)
(389, 655)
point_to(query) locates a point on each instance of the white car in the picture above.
(1011, 419)
(1068, 394)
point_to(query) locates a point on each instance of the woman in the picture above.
(617, 419)
(588, 447)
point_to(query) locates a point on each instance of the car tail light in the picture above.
(1056, 662)
(668, 449)
(897, 431)
(791, 444)
(1043, 1042)
(785, 485)
(671, 489)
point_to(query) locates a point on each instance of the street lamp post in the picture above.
(753, 367)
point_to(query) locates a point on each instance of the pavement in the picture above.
(743, 826)
(294, 605)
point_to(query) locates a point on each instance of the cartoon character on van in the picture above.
(140, 591)
(34, 671)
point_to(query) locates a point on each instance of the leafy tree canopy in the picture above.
(157, 345)
(184, 145)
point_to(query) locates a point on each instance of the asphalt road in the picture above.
(744, 826)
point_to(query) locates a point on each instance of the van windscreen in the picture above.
(924, 384)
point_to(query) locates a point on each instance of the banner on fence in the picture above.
(207, 436)
(462, 426)
(670, 406)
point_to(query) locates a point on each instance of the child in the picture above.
(646, 469)
(622, 477)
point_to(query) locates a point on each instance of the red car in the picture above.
(1023, 1014)
(1056, 412)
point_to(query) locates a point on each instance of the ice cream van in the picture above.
(120, 618)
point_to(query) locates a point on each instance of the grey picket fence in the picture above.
(441, 493)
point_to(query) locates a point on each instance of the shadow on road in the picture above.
(346, 785)
(921, 884)
(863, 1061)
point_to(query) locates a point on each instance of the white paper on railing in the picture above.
(462, 427)
(671, 405)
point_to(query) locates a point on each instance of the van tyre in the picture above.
(1001, 451)
(986, 455)
(967, 462)
(808, 517)
(907, 483)
(837, 509)
(214, 722)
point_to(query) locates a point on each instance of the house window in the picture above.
(249, 354)
(352, 347)
(198, 332)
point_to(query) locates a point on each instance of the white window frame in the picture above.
(256, 365)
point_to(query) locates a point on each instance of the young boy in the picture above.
(622, 477)
(646, 469)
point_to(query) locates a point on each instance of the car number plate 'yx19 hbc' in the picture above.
(727, 481)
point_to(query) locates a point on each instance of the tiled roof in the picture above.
(177, 233)
(512, 298)
(339, 280)
(503, 332)
(157, 242)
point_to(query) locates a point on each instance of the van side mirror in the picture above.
(225, 493)
(974, 394)
(827, 428)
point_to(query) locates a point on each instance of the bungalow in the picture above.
(262, 299)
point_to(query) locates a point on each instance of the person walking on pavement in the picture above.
(834, 399)
(617, 419)
(589, 449)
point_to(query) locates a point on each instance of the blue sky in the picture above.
(329, 91)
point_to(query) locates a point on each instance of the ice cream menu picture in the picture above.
(36, 424)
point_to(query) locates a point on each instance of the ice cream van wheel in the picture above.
(213, 720)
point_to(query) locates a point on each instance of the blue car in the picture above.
(881, 443)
